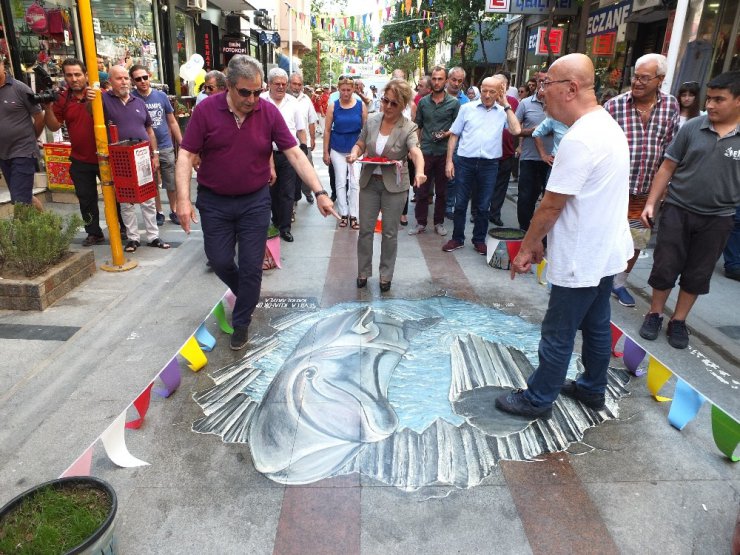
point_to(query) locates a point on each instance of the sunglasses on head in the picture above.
(393, 103)
(141, 78)
(246, 93)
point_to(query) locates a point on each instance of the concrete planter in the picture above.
(44, 290)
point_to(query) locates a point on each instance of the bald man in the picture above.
(582, 214)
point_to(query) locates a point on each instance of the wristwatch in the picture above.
(507, 108)
(321, 192)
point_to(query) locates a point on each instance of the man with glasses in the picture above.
(650, 120)
(582, 214)
(283, 190)
(131, 116)
(233, 134)
(214, 82)
(533, 171)
(166, 130)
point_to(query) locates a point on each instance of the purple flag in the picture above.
(170, 375)
(633, 356)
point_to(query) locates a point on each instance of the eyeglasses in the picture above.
(544, 83)
(209, 88)
(393, 103)
(279, 84)
(246, 93)
(644, 79)
(690, 84)
(141, 78)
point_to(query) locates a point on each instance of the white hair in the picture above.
(659, 59)
(276, 72)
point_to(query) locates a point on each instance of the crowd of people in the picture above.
(596, 177)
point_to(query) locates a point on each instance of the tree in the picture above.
(407, 61)
(465, 19)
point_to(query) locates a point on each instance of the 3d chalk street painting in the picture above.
(400, 390)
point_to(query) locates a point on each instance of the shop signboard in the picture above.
(604, 44)
(532, 7)
(555, 39)
(204, 42)
(608, 19)
(233, 47)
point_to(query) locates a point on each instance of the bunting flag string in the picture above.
(657, 376)
(141, 404)
(220, 314)
(685, 406)
(114, 442)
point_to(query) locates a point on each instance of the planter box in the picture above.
(44, 290)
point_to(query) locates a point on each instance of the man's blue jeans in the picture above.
(732, 249)
(471, 174)
(228, 222)
(571, 309)
(452, 186)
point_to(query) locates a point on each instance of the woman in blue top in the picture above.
(344, 121)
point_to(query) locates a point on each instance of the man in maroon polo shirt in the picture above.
(232, 133)
(74, 107)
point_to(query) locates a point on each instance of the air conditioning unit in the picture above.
(197, 5)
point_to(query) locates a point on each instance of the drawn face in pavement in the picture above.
(358, 388)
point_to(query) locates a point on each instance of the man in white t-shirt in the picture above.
(582, 214)
(283, 191)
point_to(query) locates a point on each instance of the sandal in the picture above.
(343, 221)
(353, 223)
(158, 243)
(131, 246)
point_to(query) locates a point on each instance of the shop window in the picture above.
(44, 35)
(124, 34)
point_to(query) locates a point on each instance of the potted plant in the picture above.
(73, 515)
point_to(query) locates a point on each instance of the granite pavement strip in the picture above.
(634, 486)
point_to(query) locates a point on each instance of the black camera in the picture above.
(43, 97)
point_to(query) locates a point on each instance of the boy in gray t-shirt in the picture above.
(701, 174)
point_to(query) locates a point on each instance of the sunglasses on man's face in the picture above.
(141, 78)
(246, 93)
(393, 103)
(209, 88)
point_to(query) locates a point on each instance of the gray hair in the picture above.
(217, 76)
(659, 59)
(243, 67)
(297, 74)
(457, 69)
(275, 73)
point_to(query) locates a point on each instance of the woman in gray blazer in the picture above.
(383, 187)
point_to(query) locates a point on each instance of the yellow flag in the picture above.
(192, 352)
(657, 376)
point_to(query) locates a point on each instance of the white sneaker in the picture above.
(440, 229)
(418, 229)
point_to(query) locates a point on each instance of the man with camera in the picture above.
(74, 107)
(22, 121)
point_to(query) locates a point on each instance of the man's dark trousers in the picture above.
(475, 177)
(230, 220)
(533, 176)
(434, 167)
(505, 165)
(86, 188)
(283, 192)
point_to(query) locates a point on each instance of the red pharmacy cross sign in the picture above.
(556, 41)
(604, 44)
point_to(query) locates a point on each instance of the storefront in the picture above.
(606, 44)
(537, 38)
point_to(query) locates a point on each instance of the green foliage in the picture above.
(407, 61)
(34, 241)
(53, 521)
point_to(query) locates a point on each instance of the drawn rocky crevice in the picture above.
(326, 412)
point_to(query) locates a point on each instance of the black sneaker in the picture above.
(160, 219)
(593, 401)
(678, 334)
(651, 326)
(239, 338)
(514, 402)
